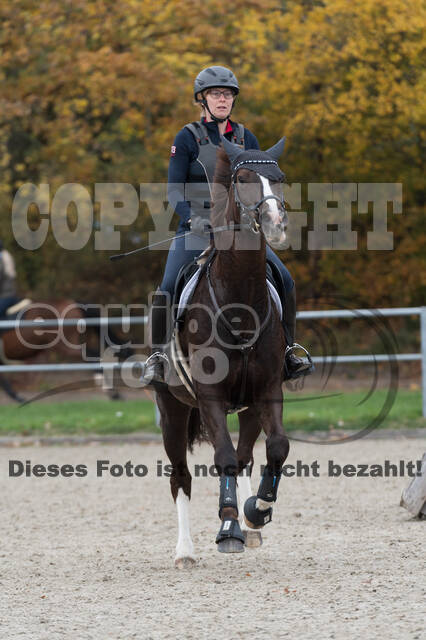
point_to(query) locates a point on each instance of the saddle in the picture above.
(189, 276)
(186, 284)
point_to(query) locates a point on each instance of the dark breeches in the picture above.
(285, 273)
(185, 249)
(182, 251)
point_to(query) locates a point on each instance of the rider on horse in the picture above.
(192, 164)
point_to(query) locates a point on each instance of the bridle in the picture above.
(247, 219)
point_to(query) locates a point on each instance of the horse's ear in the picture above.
(232, 150)
(277, 149)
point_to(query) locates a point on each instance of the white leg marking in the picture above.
(262, 505)
(244, 492)
(253, 538)
(184, 548)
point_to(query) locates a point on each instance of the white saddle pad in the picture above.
(193, 281)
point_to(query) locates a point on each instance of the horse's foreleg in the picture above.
(230, 538)
(174, 424)
(258, 509)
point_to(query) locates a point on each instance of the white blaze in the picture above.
(272, 204)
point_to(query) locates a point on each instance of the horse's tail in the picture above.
(196, 430)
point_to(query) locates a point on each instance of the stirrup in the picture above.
(305, 367)
(156, 366)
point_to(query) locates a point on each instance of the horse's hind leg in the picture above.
(174, 424)
(250, 429)
(258, 509)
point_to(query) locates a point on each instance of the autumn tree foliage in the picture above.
(96, 91)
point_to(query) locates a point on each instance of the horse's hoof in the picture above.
(253, 539)
(184, 563)
(230, 545)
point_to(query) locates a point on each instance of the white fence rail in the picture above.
(302, 315)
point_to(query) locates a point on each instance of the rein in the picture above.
(235, 227)
(248, 222)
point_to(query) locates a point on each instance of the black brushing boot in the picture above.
(294, 367)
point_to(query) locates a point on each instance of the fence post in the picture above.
(423, 350)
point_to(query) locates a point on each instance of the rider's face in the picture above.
(220, 101)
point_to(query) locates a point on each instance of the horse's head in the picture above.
(257, 188)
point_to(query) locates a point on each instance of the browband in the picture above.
(239, 164)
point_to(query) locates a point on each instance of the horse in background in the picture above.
(75, 342)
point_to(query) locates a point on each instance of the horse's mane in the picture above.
(221, 186)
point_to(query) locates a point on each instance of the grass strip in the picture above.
(349, 410)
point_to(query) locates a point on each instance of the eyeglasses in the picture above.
(226, 93)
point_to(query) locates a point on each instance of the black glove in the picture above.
(200, 226)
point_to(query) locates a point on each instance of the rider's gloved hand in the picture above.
(200, 226)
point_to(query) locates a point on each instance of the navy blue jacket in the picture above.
(184, 151)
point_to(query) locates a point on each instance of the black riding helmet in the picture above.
(215, 76)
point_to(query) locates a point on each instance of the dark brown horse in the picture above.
(233, 344)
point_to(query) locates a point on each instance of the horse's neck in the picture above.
(240, 273)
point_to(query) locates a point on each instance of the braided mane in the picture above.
(221, 186)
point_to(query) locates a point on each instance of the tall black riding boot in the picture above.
(294, 367)
(157, 364)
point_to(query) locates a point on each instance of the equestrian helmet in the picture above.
(215, 76)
